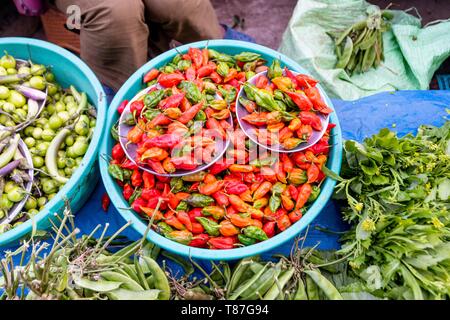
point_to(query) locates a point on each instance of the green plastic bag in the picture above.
(412, 54)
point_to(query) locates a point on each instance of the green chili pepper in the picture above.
(275, 70)
(213, 54)
(228, 95)
(282, 106)
(223, 69)
(255, 233)
(249, 74)
(176, 184)
(150, 114)
(151, 83)
(115, 131)
(314, 194)
(261, 97)
(266, 162)
(278, 188)
(136, 194)
(183, 65)
(193, 93)
(274, 202)
(127, 174)
(182, 206)
(176, 59)
(129, 119)
(247, 56)
(211, 227)
(152, 99)
(289, 102)
(163, 228)
(115, 171)
(198, 200)
(200, 116)
(247, 241)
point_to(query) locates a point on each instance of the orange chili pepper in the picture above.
(183, 217)
(283, 83)
(240, 221)
(262, 190)
(256, 223)
(173, 221)
(279, 171)
(240, 168)
(197, 228)
(303, 195)
(168, 165)
(213, 124)
(155, 154)
(254, 186)
(232, 73)
(182, 195)
(261, 81)
(269, 174)
(255, 213)
(189, 114)
(227, 229)
(152, 213)
(312, 173)
(246, 196)
(135, 134)
(151, 75)
(284, 134)
(275, 127)
(295, 124)
(209, 178)
(238, 203)
(214, 211)
(210, 188)
(291, 143)
(287, 202)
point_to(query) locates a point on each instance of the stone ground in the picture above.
(265, 20)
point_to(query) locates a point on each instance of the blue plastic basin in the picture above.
(69, 70)
(134, 84)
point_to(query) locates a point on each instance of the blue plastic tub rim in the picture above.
(88, 159)
(334, 163)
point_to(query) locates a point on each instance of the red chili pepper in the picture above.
(301, 100)
(164, 141)
(156, 166)
(200, 241)
(211, 188)
(169, 80)
(205, 71)
(312, 119)
(221, 198)
(149, 180)
(122, 106)
(137, 204)
(306, 81)
(171, 102)
(295, 215)
(189, 114)
(136, 178)
(196, 56)
(218, 167)
(213, 124)
(197, 228)
(261, 82)
(106, 201)
(184, 163)
(317, 100)
(215, 77)
(288, 165)
(151, 75)
(117, 152)
(190, 73)
(320, 148)
(148, 194)
(159, 120)
(293, 192)
(283, 222)
(127, 191)
(291, 76)
(194, 213)
(269, 228)
(222, 242)
(235, 188)
(279, 170)
(136, 107)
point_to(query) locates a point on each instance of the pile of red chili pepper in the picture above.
(283, 106)
(241, 199)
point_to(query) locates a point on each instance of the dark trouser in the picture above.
(116, 34)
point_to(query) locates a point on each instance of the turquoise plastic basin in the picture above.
(68, 69)
(134, 84)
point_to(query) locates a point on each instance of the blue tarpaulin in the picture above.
(401, 111)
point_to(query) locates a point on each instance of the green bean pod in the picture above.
(311, 289)
(238, 272)
(52, 155)
(127, 282)
(324, 284)
(300, 294)
(274, 291)
(241, 289)
(160, 278)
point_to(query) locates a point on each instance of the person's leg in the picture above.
(114, 37)
(182, 20)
